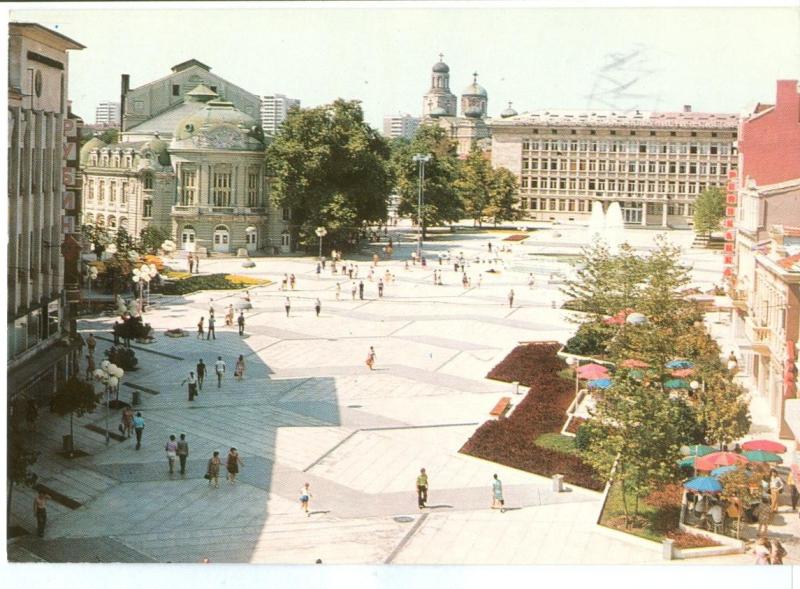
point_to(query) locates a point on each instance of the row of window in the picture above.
(221, 188)
(103, 221)
(570, 205)
(603, 184)
(114, 160)
(630, 167)
(97, 188)
(616, 146)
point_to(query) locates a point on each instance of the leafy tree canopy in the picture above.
(485, 191)
(709, 210)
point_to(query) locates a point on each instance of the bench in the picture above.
(501, 407)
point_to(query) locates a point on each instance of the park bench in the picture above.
(501, 407)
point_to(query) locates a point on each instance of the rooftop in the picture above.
(37, 28)
(600, 118)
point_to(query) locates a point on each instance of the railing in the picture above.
(757, 334)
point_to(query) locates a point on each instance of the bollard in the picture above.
(667, 550)
(558, 483)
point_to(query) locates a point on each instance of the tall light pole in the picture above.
(421, 159)
(109, 374)
(321, 232)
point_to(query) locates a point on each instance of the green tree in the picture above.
(722, 408)
(709, 210)
(151, 238)
(503, 197)
(474, 184)
(74, 397)
(20, 459)
(109, 136)
(637, 431)
(442, 202)
(332, 170)
(660, 298)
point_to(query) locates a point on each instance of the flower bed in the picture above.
(515, 237)
(685, 540)
(178, 332)
(512, 441)
(211, 282)
(575, 423)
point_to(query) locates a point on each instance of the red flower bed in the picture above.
(516, 237)
(510, 441)
(686, 540)
(575, 423)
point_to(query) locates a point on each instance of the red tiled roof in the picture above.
(789, 261)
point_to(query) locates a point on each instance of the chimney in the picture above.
(687, 108)
(126, 85)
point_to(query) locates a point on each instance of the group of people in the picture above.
(195, 379)
(212, 322)
(498, 501)
(232, 464)
(194, 263)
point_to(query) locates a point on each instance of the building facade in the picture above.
(40, 353)
(274, 110)
(195, 170)
(400, 125)
(766, 256)
(107, 114)
(653, 164)
(440, 108)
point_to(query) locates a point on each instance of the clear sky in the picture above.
(716, 59)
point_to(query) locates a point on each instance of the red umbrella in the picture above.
(634, 363)
(712, 461)
(765, 445)
(592, 371)
(683, 372)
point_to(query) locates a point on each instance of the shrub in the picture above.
(583, 436)
(590, 339)
(245, 280)
(123, 357)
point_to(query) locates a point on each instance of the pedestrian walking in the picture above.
(138, 427)
(238, 371)
(338, 290)
(91, 344)
(201, 373)
(183, 452)
(192, 381)
(127, 421)
(212, 472)
(116, 331)
(287, 305)
(422, 488)
(211, 330)
(371, 358)
(350, 271)
(292, 281)
(171, 448)
(380, 288)
(319, 270)
(200, 330)
(353, 290)
(530, 280)
(775, 489)
(317, 306)
(219, 368)
(233, 462)
(305, 495)
(211, 307)
(793, 483)
(497, 494)
(240, 321)
(489, 245)
(40, 512)
(197, 264)
(763, 514)
(190, 260)
(361, 289)
(511, 298)
(284, 281)
(229, 316)
(90, 366)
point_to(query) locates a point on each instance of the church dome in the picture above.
(474, 89)
(441, 68)
(473, 112)
(219, 125)
(89, 146)
(438, 111)
(509, 112)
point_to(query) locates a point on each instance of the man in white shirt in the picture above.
(219, 367)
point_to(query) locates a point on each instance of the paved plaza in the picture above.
(310, 410)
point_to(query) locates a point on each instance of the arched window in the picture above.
(101, 191)
(89, 189)
(286, 239)
(101, 221)
(123, 223)
(112, 222)
(88, 219)
(148, 182)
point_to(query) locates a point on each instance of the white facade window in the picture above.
(253, 199)
(101, 191)
(112, 191)
(221, 189)
(189, 184)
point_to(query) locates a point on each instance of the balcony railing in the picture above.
(195, 210)
(758, 335)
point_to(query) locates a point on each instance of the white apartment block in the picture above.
(108, 114)
(400, 125)
(274, 110)
(654, 164)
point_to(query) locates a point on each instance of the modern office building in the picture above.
(274, 110)
(107, 114)
(195, 169)
(654, 164)
(765, 282)
(400, 125)
(40, 354)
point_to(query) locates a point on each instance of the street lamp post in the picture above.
(321, 232)
(110, 375)
(142, 276)
(421, 159)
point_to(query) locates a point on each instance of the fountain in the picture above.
(614, 227)
(597, 223)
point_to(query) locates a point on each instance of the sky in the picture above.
(721, 59)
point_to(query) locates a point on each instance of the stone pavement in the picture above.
(309, 410)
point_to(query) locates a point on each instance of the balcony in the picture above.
(758, 336)
(195, 210)
(739, 299)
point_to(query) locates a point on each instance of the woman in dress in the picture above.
(127, 421)
(233, 463)
(371, 358)
(238, 371)
(305, 495)
(229, 316)
(497, 494)
(213, 470)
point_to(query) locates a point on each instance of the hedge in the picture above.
(211, 282)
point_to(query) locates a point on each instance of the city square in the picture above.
(268, 307)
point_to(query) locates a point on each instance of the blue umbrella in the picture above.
(676, 383)
(703, 485)
(722, 470)
(600, 383)
(679, 364)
